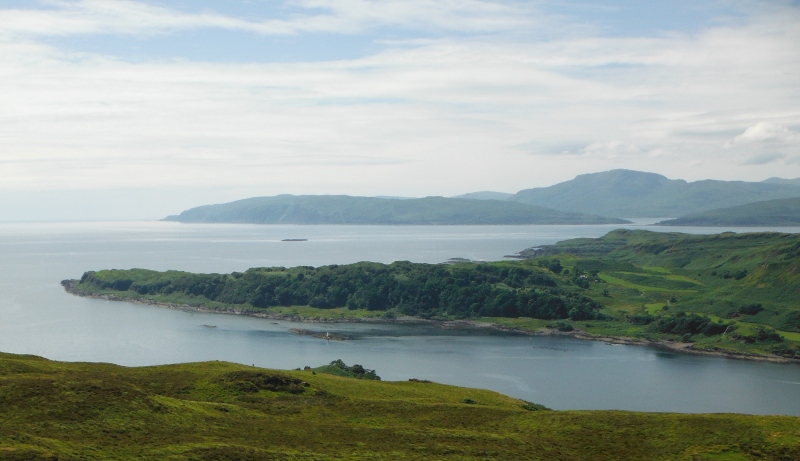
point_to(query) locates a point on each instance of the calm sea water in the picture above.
(38, 317)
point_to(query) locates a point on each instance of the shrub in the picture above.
(530, 406)
(682, 324)
(641, 319)
(751, 309)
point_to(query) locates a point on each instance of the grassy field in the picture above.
(223, 411)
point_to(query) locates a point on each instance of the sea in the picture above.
(38, 317)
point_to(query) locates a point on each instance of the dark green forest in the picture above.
(400, 288)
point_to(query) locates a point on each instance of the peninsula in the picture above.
(732, 294)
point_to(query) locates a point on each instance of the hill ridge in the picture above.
(626, 193)
(345, 209)
(778, 212)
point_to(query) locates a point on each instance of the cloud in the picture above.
(763, 159)
(478, 104)
(104, 17)
(611, 149)
(560, 148)
(463, 15)
(765, 132)
(64, 17)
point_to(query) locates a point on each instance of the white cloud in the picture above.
(64, 17)
(400, 121)
(611, 149)
(104, 17)
(766, 132)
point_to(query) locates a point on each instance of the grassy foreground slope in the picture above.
(223, 411)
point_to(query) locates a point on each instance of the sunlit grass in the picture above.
(665, 274)
(643, 288)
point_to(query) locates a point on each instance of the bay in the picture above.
(39, 318)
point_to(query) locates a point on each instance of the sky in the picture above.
(136, 109)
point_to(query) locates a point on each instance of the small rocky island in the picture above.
(316, 334)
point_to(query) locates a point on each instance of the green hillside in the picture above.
(626, 194)
(223, 411)
(343, 209)
(782, 212)
(745, 284)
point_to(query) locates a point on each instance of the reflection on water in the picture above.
(666, 355)
(560, 372)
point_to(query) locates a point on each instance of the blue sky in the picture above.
(168, 104)
(614, 18)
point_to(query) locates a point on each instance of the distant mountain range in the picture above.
(486, 195)
(343, 209)
(598, 198)
(626, 194)
(781, 212)
(795, 181)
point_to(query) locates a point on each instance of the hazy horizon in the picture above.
(137, 109)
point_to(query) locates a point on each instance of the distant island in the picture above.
(726, 294)
(344, 209)
(630, 194)
(597, 198)
(783, 212)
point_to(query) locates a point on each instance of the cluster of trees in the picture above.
(762, 335)
(688, 325)
(423, 290)
(750, 309)
(357, 371)
(681, 324)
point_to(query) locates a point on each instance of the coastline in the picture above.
(672, 346)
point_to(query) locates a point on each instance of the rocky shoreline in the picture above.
(687, 348)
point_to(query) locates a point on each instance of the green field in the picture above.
(223, 411)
